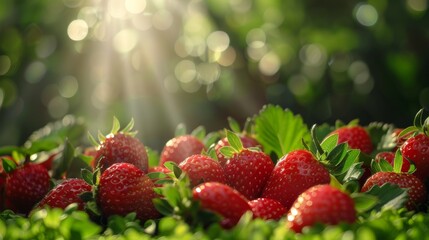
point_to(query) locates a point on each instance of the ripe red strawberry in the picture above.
(222, 199)
(390, 157)
(321, 204)
(293, 174)
(179, 148)
(416, 150)
(356, 137)
(416, 190)
(25, 186)
(267, 208)
(123, 189)
(66, 193)
(122, 147)
(246, 140)
(248, 171)
(201, 168)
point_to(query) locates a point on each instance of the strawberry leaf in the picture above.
(62, 164)
(129, 127)
(153, 157)
(280, 131)
(364, 202)
(88, 176)
(329, 143)
(199, 132)
(418, 119)
(389, 196)
(382, 135)
(8, 165)
(156, 175)
(408, 130)
(115, 126)
(92, 140)
(234, 141)
(53, 135)
(210, 139)
(398, 161)
(227, 151)
(180, 130)
(233, 125)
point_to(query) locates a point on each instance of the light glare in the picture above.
(77, 30)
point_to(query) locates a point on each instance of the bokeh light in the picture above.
(77, 30)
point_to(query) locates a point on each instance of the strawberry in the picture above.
(179, 148)
(66, 193)
(416, 150)
(246, 140)
(267, 208)
(356, 137)
(121, 147)
(124, 188)
(389, 157)
(201, 168)
(26, 185)
(293, 174)
(222, 199)
(416, 193)
(321, 204)
(246, 170)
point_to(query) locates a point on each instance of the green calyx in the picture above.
(341, 161)
(235, 144)
(384, 166)
(177, 199)
(116, 128)
(419, 125)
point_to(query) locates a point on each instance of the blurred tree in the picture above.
(165, 62)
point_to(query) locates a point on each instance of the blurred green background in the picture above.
(164, 62)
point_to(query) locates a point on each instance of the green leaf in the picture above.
(54, 133)
(389, 196)
(163, 206)
(62, 164)
(329, 143)
(7, 150)
(227, 151)
(234, 125)
(92, 140)
(382, 135)
(129, 126)
(280, 131)
(153, 157)
(156, 175)
(364, 202)
(210, 139)
(8, 164)
(115, 126)
(398, 161)
(88, 176)
(101, 137)
(234, 141)
(199, 132)
(86, 196)
(180, 130)
(385, 166)
(407, 131)
(174, 168)
(418, 119)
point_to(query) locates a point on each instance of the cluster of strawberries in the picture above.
(238, 178)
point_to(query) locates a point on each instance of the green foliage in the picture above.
(279, 130)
